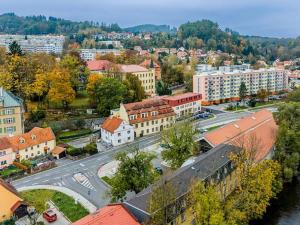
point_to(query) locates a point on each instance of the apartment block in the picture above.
(148, 117)
(35, 43)
(11, 114)
(219, 86)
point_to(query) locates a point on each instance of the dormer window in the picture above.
(132, 117)
(144, 115)
(154, 113)
(22, 140)
(33, 137)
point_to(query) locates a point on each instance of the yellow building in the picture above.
(146, 76)
(148, 116)
(11, 114)
(37, 142)
(11, 204)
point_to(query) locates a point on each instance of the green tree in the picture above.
(135, 90)
(243, 91)
(162, 196)
(135, 172)
(15, 49)
(108, 94)
(205, 205)
(294, 96)
(178, 144)
(162, 88)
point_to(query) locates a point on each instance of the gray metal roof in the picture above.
(10, 100)
(204, 166)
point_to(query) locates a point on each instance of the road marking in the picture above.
(81, 164)
(34, 184)
(73, 179)
(63, 183)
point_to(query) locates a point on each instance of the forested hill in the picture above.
(13, 24)
(150, 28)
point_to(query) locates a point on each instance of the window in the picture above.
(38, 152)
(147, 131)
(38, 146)
(32, 154)
(119, 141)
(31, 147)
(142, 124)
(154, 113)
(22, 140)
(136, 125)
(119, 134)
(128, 132)
(26, 156)
(128, 138)
(147, 123)
(144, 115)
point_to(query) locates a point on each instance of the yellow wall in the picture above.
(36, 150)
(148, 80)
(17, 123)
(7, 200)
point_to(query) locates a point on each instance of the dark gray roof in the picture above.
(204, 166)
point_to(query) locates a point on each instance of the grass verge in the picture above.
(65, 203)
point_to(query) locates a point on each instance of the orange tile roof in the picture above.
(34, 137)
(111, 124)
(132, 68)
(57, 150)
(147, 63)
(259, 127)
(96, 65)
(115, 214)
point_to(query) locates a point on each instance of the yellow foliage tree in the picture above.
(61, 91)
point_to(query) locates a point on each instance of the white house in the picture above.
(116, 131)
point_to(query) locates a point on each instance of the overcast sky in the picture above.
(277, 18)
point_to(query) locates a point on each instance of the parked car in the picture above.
(159, 170)
(202, 130)
(50, 215)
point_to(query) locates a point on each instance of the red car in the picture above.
(50, 215)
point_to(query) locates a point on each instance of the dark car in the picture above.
(50, 215)
(159, 170)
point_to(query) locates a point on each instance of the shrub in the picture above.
(74, 151)
(91, 148)
(80, 123)
(36, 115)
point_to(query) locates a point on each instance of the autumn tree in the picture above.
(135, 172)
(91, 85)
(178, 144)
(205, 204)
(60, 91)
(262, 94)
(77, 70)
(135, 90)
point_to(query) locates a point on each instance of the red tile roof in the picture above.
(259, 127)
(4, 143)
(99, 65)
(132, 68)
(111, 124)
(147, 106)
(147, 63)
(115, 214)
(34, 137)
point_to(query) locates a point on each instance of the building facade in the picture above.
(116, 131)
(90, 54)
(184, 104)
(148, 117)
(37, 142)
(11, 114)
(35, 43)
(218, 86)
(146, 76)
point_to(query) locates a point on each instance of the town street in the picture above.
(81, 175)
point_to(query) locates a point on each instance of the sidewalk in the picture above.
(77, 197)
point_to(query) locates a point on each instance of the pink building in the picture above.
(6, 153)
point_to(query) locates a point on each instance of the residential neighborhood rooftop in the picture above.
(132, 68)
(111, 124)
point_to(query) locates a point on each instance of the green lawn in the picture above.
(65, 204)
(214, 127)
(81, 132)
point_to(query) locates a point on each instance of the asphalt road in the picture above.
(81, 175)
